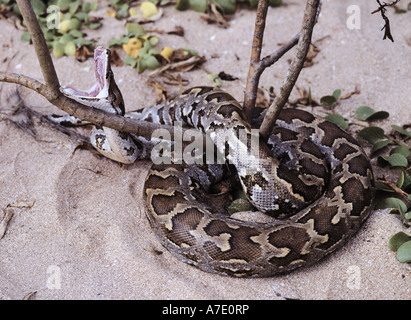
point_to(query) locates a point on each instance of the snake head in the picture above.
(104, 94)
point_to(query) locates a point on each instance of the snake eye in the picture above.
(110, 74)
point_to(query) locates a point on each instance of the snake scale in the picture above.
(312, 178)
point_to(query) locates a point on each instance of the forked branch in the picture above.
(310, 17)
(50, 90)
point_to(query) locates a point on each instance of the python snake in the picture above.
(312, 178)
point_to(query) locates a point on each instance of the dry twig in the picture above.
(257, 65)
(310, 16)
(8, 214)
(386, 27)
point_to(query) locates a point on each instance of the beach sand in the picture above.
(79, 229)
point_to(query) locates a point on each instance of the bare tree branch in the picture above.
(254, 72)
(310, 17)
(95, 116)
(24, 81)
(257, 66)
(51, 91)
(42, 51)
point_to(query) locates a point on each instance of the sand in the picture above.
(83, 233)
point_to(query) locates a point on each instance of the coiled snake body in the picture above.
(312, 178)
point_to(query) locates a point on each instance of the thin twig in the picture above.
(254, 71)
(8, 214)
(310, 17)
(250, 94)
(386, 27)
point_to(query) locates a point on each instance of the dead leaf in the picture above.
(154, 251)
(312, 53)
(115, 58)
(174, 80)
(263, 98)
(226, 77)
(178, 31)
(83, 53)
(304, 98)
(349, 94)
(214, 16)
(182, 66)
(30, 296)
(180, 55)
(161, 92)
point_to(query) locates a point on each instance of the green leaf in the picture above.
(182, 5)
(379, 115)
(122, 11)
(276, 3)
(74, 24)
(392, 202)
(135, 29)
(400, 180)
(74, 7)
(39, 7)
(328, 101)
(397, 240)
(82, 42)
(396, 160)
(404, 252)
(198, 5)
(115, 42)
(368, 113)
(215, 79)
(76, 33)
(239, 205)
(152, 62)
(191, 52)
(363, 112)
(380, 144)
(94, 26)
(338, 120)
(64, 5)
(70, 48)
(226, 6)
(253, 3)
(372, 134)
(401, 130)
(336, 94)
(86, 8)
(130, 61)
(64, 39)
(58, 49)
(94, 5)
(402, 149)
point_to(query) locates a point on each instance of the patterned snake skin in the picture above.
(312, 178)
